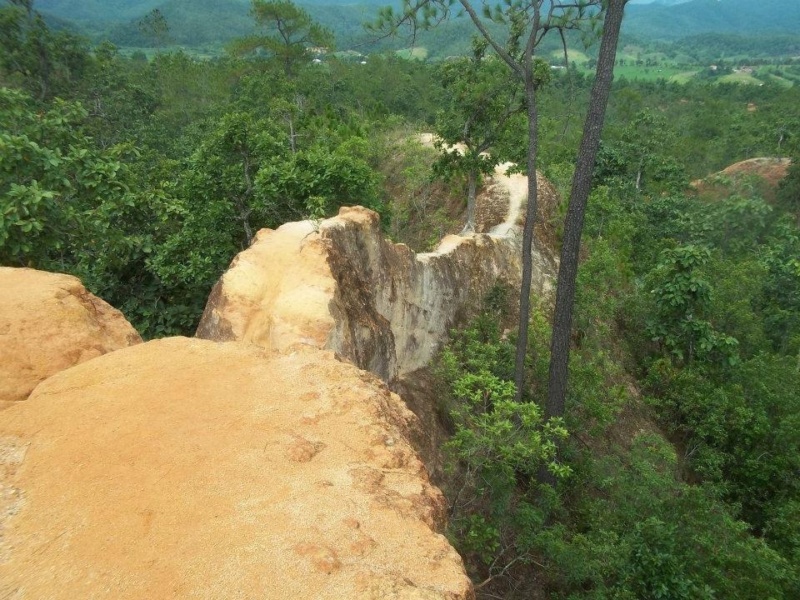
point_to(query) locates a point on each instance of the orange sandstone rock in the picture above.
(48, 323)
(184, 468)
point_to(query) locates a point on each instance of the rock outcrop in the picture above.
(48, 323)
(340, 285)
(765, 172)
(256, 463)
(189, 469)
(771, 169)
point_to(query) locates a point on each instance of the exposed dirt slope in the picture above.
(766, 173)
(189, 469)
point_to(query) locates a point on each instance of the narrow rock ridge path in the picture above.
(515, 186)
(340, 285)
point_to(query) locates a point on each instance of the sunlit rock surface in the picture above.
(48, 323)
(340, 285)
(183, 468)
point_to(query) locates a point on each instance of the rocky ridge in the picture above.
(183, 468)
(256, 464)
(339, 285)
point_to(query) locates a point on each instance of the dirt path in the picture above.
(514, 186)
(517, 187)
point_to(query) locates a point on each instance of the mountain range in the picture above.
(668, 19)
(198, 22)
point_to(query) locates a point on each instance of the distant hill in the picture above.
(746, 17)
(97, 11)
(191, 22)
(196, 22)
(203, 22)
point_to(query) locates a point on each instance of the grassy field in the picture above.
(779, 80)
(784, 77)
(683, 77)
(745, 78)
(650, 73)
(418, 53)
(579, 58)
(198, 53)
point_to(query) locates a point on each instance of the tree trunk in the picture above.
(527, 237)
(639, 178)
(472, 192)
(573, 227)
(292, 134)
(243, 200)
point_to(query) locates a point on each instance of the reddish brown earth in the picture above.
(771, 170)
(766, 173)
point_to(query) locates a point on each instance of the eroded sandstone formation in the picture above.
(258, 464)
(48, 323)
(340, 285)
(190, 469)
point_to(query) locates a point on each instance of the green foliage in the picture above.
(45, 62)
(682, 299)
(497, 442)
(187, 93)
(67, 205)
(643, 155)
(738, 224)
(740, 433)
(56, 189)
(287, 34)
(244, 176)
(780, 301)
(333, 177)
(122, 98)
(788, 196)
(422, 208)
(738, 289)
(154, 26)
(712, 270)
(622, 525)
(639, 533)
(482, 98)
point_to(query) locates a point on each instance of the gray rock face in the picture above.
(393, 309)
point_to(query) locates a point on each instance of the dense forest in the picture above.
(678, 460)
